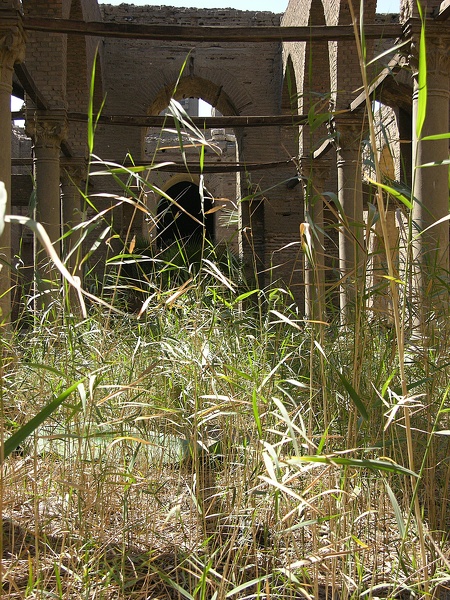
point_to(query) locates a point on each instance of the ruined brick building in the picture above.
(290, 127)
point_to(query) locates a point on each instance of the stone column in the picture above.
(252, 219)
(12, 50)
(381, 298)
(73, 173)
(48, 130)
(315, 174)
(430, 184)
(351, 231)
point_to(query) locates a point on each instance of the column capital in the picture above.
(74, 169)
(317, 167)
(12, 43)
(438, 56)
(348, 129)
(438, 46)
(48, 129)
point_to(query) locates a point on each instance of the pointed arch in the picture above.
(186, 219)
(346, 67)
(289, 93)
(194, 87)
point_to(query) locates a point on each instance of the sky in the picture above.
(276, 6)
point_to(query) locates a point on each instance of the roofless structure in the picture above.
(270, 79)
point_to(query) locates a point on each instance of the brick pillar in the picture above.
(48, 130)
(315, 174)
(12, 50)
(351, 231)
(431, 192)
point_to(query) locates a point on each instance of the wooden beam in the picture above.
(200, 122)
(387, 89)
(325, 147)
(184, 33)
(217, 167)
(27, 82)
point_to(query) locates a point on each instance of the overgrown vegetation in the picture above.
(187, 436)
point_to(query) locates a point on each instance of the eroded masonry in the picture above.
(289, 135)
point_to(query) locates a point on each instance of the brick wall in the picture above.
(46, 53)
(139, 77)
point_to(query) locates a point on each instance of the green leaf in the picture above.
(315, 120)
(362, 32)
(256, 414)
(246, 295)
(356, 398)
(202, 158)
(357, 463)
(19, 436)
(247, 584)
(390, 50)
(397, 510)
(91, 128)
(393, 192)
(422, 77)
(437, 136)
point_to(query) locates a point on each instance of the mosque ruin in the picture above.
(289, 126)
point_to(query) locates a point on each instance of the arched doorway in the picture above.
(185, 217)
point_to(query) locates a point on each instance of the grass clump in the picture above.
(194, 460)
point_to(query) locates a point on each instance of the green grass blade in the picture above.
(243, 586)
(393, 192)
(356, 398)
(91, 128)
(397, 510)
(437, 136)
(20, 436)
(437, 163)
(422, 81)
(246, 295)
(256, 414)
(357, 463)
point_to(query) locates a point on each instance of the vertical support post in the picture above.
(430, 184)
(252, 211)
(72, 176)
(315, 174)
(48, 130)
(12, 50)
(351, 231)
(381, 298)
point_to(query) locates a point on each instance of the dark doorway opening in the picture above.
(184, 225)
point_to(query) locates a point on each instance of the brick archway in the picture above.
(187, 218)
(194, 87)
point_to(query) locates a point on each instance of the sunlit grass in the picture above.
(177, 433)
